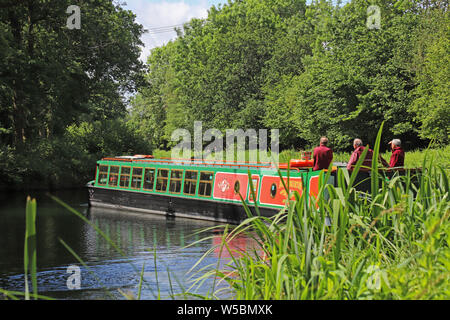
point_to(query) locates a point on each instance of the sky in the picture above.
(159, 17)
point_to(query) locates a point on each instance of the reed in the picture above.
(390, 244)
(29, 257)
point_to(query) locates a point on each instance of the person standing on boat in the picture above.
(322, 155)
(359, 148)
(398, 155)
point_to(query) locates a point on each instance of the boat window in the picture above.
(190, 182)
(205, 184)
(136, 178)
(113, 176)
(149, 179)
(161, 181)
(175, 181)
(273, 190)
(237, 187)
(255, 188)
(102, 175)
(125, 177)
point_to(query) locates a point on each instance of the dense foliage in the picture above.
(57, 84)
(306, 69)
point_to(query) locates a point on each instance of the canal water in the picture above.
(167, 248)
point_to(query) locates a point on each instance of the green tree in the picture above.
(356, 77)
(307, 69)
(431, 104)
(220, 61)
(52, 76)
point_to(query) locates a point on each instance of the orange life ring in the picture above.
(297, 163)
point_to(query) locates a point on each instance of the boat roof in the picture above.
(196, 162)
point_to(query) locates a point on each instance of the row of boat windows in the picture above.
(151, 179)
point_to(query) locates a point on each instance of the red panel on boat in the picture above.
(273, 192)
(225, 184)
(314, 186)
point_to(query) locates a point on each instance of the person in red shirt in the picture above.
(398, 155)
(322, 155)
(359, 148)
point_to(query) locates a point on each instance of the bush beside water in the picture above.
(69, 160)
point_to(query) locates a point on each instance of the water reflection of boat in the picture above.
(236, 246)
(133, 231)
(176, 243)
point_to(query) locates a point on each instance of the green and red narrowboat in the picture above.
(199, 189)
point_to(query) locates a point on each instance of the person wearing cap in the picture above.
(398, 155)
(359, 148)
(322, 155)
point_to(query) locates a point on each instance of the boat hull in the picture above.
(172, 206)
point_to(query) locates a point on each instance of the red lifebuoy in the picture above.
(296, 163)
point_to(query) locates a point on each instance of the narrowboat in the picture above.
(199, 189)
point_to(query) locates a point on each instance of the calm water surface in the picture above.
(138, 235)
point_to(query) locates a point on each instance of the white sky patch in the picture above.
(156, 14)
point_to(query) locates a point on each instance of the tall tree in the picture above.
(52, 76)
(431, 105)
